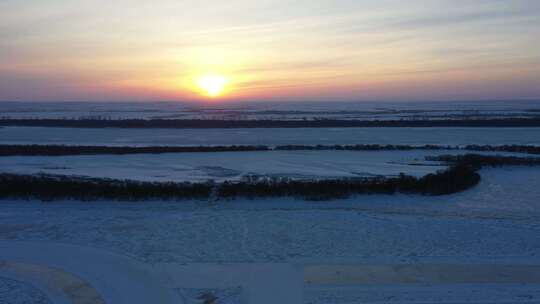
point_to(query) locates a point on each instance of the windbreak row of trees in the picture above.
(64, 150)
(505, 148)
(478, 161)
(455, 179)
(319, 123)
(365, 147)
(47, 188)
(460, 175)
(61, 150)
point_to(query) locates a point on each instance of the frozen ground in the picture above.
(425, 294)
(255, 244)
(477, 246)
(269, 110)
(467, 225)
(299, 136)
(221, 166)
(18, 292)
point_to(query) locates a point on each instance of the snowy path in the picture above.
(117, 278)
(59, 286)
(261, 283)
(69, 274)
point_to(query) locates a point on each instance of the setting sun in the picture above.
(212, 85)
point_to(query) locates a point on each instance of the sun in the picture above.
(212, 85)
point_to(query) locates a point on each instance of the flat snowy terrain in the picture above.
(296, 136)
(477, 246)
(270, 110)
(495, 223)
(221, 166)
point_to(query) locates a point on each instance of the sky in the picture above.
(309, 50)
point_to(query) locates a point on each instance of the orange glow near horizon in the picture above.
(363, 50)
(212, 85)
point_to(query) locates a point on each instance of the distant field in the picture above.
(233, 166)
(196, 167)
(413, 122)
(298, 111)
(278, 136)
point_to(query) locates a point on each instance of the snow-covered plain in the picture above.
(495, 223)
(233, 166)
(220, 166)
(280, 136)
(468, 225)
(18, 292)
(271, 110)
(263, 251)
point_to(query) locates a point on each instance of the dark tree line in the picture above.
(454, 179)
(364, 147)
(47, 187)
(320, 123)
(460, 175)
(505, 148)
(478, 161)
(62, 150)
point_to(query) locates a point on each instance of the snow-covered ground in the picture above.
(299, 136)
(271, 110)
(19, 292)
(470, 224)
(198, 245)
(221, 166)
(478, 246)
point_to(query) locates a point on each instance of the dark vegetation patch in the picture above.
(478, 161)
(459, 176)
(505, 148)
(316, 123)
(59, 187)
(64, 150)
(47, 187)
(454, 179)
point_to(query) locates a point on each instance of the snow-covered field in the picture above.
(298, 136)
(232, 166)
(13, 291)
(221, 166)
(468, 225)
(495, 223)
(478, 246)
(269, 110)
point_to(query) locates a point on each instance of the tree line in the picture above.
(460, 175)
(64, 150)
(58, 187)
(319, 123)
(478, 161)
(454, 179)
(49, 187)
